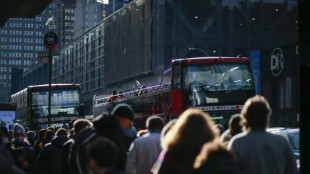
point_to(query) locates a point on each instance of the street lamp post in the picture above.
(50, 42)
(199, 49)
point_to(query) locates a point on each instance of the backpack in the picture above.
(77, 155)
(106, 126)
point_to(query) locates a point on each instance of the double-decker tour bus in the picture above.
(217, 85)
(32, 104)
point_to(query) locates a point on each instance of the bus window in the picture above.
(177, 78)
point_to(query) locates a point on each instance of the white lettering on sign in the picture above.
(277, 61)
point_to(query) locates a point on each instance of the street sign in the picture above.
(50, 40)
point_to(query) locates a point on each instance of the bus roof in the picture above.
(61, 86)
(45, 86)
(210, 60)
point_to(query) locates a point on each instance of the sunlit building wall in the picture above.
(139, 41)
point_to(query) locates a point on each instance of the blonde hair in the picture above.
(191, 130)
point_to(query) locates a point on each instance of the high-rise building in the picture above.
(88, 13)
(114, 5)
(22, 39)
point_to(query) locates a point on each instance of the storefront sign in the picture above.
(277, 61)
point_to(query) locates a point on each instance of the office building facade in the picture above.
(139, 41)
(22, 39)
(88, 13)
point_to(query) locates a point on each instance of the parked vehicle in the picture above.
(292, 136)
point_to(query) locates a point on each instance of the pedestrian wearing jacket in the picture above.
(49, 160)
(23, 153)
(258, 151)
(144, 150)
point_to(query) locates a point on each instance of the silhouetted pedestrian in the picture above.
(258, 151)
(39, 143)
(49, 135)
(23, 153)
(78, 125)
(49, 160)
(215, 159)
(234, 129)
(145, 149)
(109, 126)
(102, 155)
(30, 136)
(183, 142)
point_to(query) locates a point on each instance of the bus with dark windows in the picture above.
(32, 105)
(217, 85)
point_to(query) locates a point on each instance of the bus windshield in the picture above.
(62, 101)
(218, 83)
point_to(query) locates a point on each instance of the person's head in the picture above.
(80, 124)
(49, 134)
(51, 128)
(192, 129)
(234, 124)
(18, 130)
(102, 154)
(61, 132)
(124, 114)
(42, 133)
(209, 150)
(154, 123)
(255, 113)
(18, 133)
(114, 92)
(31, 135)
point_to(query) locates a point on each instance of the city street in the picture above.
(126, 86)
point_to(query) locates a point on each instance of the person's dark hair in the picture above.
(31, 135)
(234, 124)
(51, 128)
(255, 113)
(49, 134)
(80, 124)
(42, 133)
(114, 92)
(103, 151)
(123, 110)
(155, 123)
(61, 131)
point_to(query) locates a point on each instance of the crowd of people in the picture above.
(190, 144)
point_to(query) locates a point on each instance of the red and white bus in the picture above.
(217, 85)
(32, 104)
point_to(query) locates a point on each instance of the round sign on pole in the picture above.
(50, 40)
